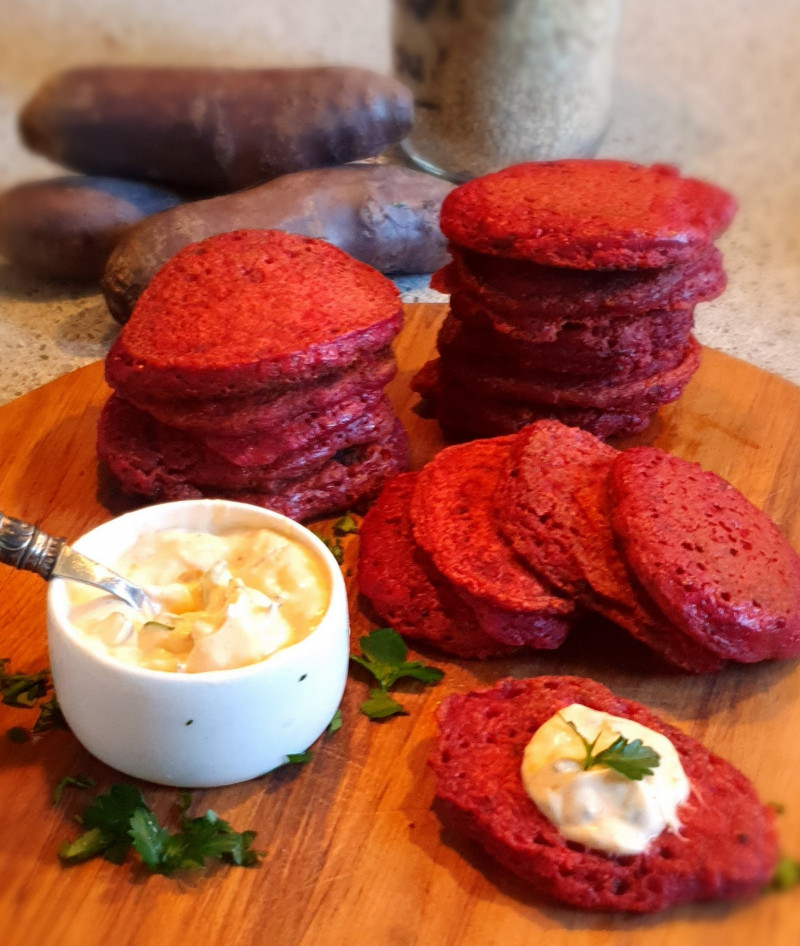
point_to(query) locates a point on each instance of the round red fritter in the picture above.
(587, 214)
(555, 510)
(335, 426)
(717, 566)
(550, 292)
(404, 589)
(237, 416)
(465, 415)
(637, 396)
(606, 336)
(249, 311)
(455, 523)
(623, 353)
(726, 847)
(125, 442)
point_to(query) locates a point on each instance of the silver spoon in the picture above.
(24, 546)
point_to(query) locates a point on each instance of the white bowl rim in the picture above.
(57, 602)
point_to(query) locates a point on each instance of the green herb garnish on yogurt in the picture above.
(632, 758)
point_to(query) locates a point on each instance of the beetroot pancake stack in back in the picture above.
(253, 368)
(573, 286)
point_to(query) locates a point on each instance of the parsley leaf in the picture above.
(345, 525)
(787, 874)
(50, 716)
(333, 546)
(335, 724)
(632, 758)
(77, 781)
(385, 657)
(380, 705)
(121, 819)
(299, 758)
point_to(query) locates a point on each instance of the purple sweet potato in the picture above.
(216, 130)
(383, 215)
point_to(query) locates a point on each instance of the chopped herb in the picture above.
(50, 716)
(632, 759)
(384, 656)
(299, 758)
(787, 874)
(336, 723)
(345, 525)
(76, 781)
(23, 689)
(381, 705)
(778, 807)
(188, 722)
(333, 546)
(18, 734)
(121, 819)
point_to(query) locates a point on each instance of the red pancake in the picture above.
(402, 587)
(550, 292)
(716, 565)
(251, 311)
(587, 214)
(726, 847)
(453, 514)
(554, 508)
(237, 416)
(351, 476)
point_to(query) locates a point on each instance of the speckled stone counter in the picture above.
(712, 87)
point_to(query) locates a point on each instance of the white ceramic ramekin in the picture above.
(201, 729)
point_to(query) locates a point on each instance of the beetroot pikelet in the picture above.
(554, 508)
(402, 586)
(639, 396)
(251, 311)
(587, 214)
(550, 292)
(464, 416)
(184, 458)
(352, 416)
(622, 354)
(454, 522)
(603, 336)
(134, 449)
(726, 847)
(238, 416)
(714, 564)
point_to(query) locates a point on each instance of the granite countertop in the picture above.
(711, 87)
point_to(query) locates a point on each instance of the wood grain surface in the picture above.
(355, 851)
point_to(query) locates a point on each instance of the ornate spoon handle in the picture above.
(23, 545)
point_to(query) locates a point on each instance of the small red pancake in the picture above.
(551, 292)
(402, 587)
(716, 565)
(727, 846)
(351, 476)
(236, 416)
(251, 311)
(639, 396)
(455, 523)
(587, 214)
(554, 508)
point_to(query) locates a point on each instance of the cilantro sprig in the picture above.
(383, 654)
(631, 758)
(121, 819)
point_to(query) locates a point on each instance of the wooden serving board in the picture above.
(355, 851)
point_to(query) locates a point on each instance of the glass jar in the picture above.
(497, 82)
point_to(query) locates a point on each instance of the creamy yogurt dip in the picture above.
(224, 601)
(600, 807)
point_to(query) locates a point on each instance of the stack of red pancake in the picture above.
(495, 541)
(573, 286)
(253, 368)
